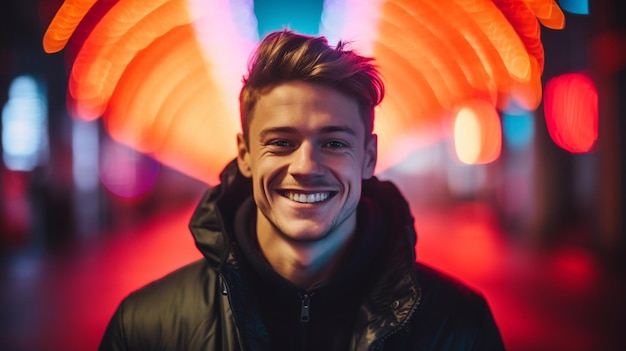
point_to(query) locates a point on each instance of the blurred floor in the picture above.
(562, 299)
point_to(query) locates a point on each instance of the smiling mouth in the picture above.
(307, 198)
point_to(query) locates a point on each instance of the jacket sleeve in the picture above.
(451, 316)
(175, 312)
(133, 327)
(488, 336)
(114, 338)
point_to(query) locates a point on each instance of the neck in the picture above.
(304, 263)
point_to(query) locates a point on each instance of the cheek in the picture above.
(264, 178)
(351, 171)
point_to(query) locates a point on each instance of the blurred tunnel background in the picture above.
(540, 228)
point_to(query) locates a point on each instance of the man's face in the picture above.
(307, 156)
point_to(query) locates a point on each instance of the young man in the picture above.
(304, 249)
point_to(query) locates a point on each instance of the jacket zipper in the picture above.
(304, 309)
(224, 287)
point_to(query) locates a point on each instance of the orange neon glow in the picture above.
(571, 111)
(437, 55)
(64, 23)
(477, 133)
(165, 74)
(129, 27)
(159, 85)
(548, 13)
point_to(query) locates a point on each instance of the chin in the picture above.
(306, 235)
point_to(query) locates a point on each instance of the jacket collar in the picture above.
(395, 293)
(212, 222)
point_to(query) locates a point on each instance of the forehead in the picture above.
(306, 106)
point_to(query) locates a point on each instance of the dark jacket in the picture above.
(205, 305)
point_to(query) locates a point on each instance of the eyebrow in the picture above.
(292, 130)
(338, 129)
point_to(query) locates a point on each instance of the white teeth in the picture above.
(308, 198)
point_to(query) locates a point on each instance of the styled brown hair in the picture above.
(286, 56)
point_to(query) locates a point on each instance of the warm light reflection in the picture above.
(165, 74)
(64, 23)
(477, 134)
(547, 11)
(571, 111)
(437, 55)
(127, 28)
(467, 136)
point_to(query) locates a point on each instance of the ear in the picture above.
(243, 156)
(370, 157)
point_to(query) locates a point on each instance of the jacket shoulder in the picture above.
(187, 275)
(451, 315)
(171, 309)
(437, 286)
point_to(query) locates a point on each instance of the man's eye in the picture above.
(280, 143)
(335, 144)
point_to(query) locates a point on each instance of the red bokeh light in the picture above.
(571, 111)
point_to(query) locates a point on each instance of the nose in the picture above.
(306, 161)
